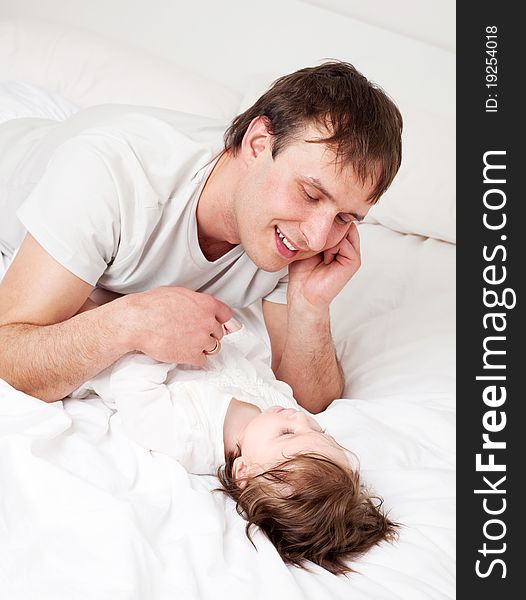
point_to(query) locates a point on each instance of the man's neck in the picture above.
(215, 223)
(238, 416)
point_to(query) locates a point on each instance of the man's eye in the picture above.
(308, 196)
(344, 218)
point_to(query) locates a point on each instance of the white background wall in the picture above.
(429, 21)
(230, 40)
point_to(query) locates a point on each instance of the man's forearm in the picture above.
(50, 361)
(309, 363)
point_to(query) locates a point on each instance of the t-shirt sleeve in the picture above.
(279, 293)
(74, 211)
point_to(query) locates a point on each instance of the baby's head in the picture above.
(297, 484)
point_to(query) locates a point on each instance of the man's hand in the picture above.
(303, 353)
(173, 324)
(319, 279)
(53, 338)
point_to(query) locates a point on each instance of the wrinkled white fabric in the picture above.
(20, 99)
(86, 512)
(180, 410)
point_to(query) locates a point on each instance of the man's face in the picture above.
(301, 195)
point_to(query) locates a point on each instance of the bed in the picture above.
(86, 513)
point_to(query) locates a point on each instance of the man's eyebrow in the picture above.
(320, 187)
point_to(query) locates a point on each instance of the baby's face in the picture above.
(279, 433)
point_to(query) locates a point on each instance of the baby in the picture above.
(233, 419)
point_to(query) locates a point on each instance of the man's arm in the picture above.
(48, 350)
(45, 350)
(303, 354)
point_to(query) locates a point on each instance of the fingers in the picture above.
(215, 348)
(223, 312)
(348, 247)
(231, 326)
(217, 330)
(348, 254)
(212, 343)
(354, 237)
(200, 361)
(328, 255)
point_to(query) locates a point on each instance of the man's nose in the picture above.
(316, 231)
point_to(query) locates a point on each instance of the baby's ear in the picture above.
(240, 471)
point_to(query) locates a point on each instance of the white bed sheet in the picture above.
(87, 513)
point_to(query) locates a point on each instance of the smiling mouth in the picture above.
(285, 247)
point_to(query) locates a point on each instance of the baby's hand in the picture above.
(231, 326)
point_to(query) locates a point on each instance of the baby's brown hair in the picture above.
(312, 509)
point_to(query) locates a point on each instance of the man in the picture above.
(135, 201)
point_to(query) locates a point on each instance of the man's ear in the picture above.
(240, 471)
(257, 137)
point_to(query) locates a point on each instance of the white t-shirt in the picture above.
(180, 410)
(113, 198)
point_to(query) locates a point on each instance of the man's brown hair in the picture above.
(363, 124)
(311, 509)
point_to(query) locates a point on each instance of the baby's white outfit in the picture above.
(179, 410)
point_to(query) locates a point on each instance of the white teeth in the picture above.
(285, 240)
(288, 244)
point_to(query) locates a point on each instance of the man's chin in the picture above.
(268, 264)
(272, 268)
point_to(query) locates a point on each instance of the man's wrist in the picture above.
(303, 311)
(122, 316)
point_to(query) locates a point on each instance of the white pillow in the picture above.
(89, 69)
(19, 99)
(421, 199)
(22, 99)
